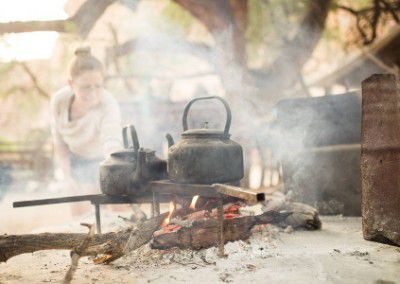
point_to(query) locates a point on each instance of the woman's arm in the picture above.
(62, 161)
(61, 151)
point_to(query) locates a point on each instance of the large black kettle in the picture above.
(205, 156)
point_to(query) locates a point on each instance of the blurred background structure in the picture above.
(160, 53)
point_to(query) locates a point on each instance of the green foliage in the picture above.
(174, 14)
(7, 145)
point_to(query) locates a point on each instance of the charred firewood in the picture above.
(204, 233)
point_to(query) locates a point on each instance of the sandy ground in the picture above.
(335, 254)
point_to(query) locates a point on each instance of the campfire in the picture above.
(173, 223)
(207, 207)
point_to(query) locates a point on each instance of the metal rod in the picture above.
(93, 198)
(54, 200)
(220, 209)
(98, 221)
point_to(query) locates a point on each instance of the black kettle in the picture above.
(116, 171)
(205, 156)
(128, 171)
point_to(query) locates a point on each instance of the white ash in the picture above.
(251, 210)
(263, 237)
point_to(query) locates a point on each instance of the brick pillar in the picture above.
(380, 158)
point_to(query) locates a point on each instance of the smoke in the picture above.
(167, 56)
(169, 71)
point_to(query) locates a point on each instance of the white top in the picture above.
(94, 135)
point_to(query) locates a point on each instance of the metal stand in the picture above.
(98, 220)
(155, 205)
(221, 244)
(96, 200)
(161, 191)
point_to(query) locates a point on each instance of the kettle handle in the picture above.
(227, 108)
(134, 137)
(170, 140)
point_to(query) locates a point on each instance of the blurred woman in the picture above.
(85, 124)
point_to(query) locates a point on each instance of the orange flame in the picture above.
(194, 200)
(171, 211)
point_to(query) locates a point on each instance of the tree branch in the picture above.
(214, 14)
(82, 22)
(34, 80)
(35, 26)
(226, 20)
(115, 60)
(367, 19)
(88, 14)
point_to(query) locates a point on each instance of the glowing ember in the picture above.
(171, 211)
(194, 200)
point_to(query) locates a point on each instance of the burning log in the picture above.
(200, 229)
(203, 233)
(111, 245)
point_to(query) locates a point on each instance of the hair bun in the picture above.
(82, 51)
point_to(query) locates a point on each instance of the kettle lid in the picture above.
(205, 133)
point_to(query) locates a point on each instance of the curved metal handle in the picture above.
(134, 137)
(227, 108)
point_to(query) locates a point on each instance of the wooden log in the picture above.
(204, 233)
(113, 244)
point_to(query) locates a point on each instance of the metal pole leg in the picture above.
(220, 210)
(153, 209)
(98, 221)
(156, 205)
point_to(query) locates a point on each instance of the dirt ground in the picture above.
(335, 254)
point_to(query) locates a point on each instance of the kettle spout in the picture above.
(170, 140)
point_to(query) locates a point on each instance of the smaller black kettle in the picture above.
(129, 170)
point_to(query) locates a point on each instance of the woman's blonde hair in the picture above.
(84, 61)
